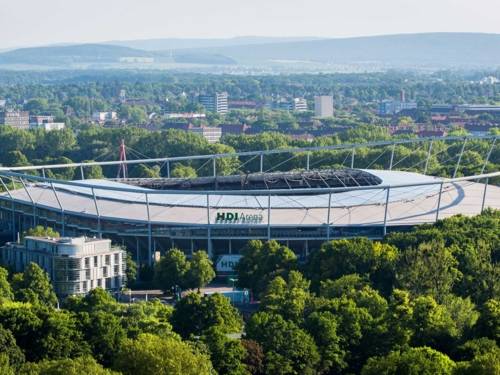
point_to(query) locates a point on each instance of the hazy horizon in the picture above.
(93, 21)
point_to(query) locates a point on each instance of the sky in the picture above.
(41, 22)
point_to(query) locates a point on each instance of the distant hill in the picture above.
(437, 49)
(74, 54)
(407, 51)
(185, 43)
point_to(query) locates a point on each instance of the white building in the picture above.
(49, 126)
(217, 103)
(323, 106)
(74, 265)
(102, 117)
(300, 105)
(211, 134)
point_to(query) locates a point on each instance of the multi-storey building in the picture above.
(48, 126)
(323, 106)
(392, 107)
(211, 134)
(300, 105)
(216, 103)
(102, 117)
(45, 123)
(74, 265)
(16, 119)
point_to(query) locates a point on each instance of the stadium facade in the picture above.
(299, 207)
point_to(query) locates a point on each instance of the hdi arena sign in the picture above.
(238, 218)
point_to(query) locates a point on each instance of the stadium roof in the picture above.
(408, 205)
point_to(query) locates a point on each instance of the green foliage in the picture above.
(171, 270)
(415, 361)
(104, 333)
(150, 354)
(254, 359)
(40, 231)
(288, 349)
(174, 270)
(5, 367)
(143, 171)
(262, 262)
(429, 269)
(34, 286)
(489, 322)
(337, 258)
(201, 270)
(183, 171)
(131, 270)
(287, 298)
(148, 317)
(323, 327)
(76, 366)
(9, 349)
(6, 293)
(194, 314)
(226, 354)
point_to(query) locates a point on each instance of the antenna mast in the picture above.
(122, 168)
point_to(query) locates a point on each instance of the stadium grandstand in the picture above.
(300, 197)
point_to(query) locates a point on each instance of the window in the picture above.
(105, 271)
(116, 270)
(87, 262)
(87, 274)
(108, 260)
(95, 262)
(117, 258)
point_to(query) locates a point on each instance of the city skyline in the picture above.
(128, 20)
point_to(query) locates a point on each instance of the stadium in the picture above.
(301, 204)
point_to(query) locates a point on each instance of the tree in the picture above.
(287, 298)
(9, 348)
(430, 269)
(67, 366)
(58, 336)
(200, 271)
(370, 259)
(171, 270)
(34, 286)
(143, 171)
(148, 317)
(40, 231)
(97, 299)
(262, 262)
(489, 321)
(92, 172)
(131, 270)
(150, 354)
(254, 359)
(21, 319)
(6, 293)
(5, 367)
(226, 354)
(432, 324)
(288, 349)
(415, 361)
(194, 314)
(322, 326)
(183, 171)
(104, 333)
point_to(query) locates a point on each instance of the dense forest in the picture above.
(425, 301)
